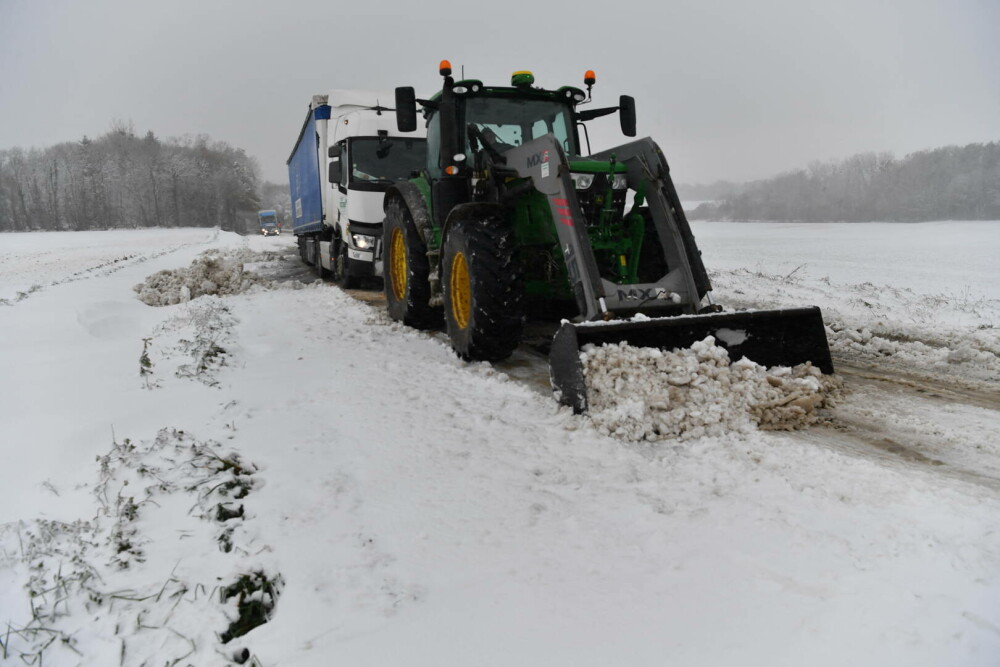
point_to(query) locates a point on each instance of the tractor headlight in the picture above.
(583, 181)
(363, 241)
(620, 181)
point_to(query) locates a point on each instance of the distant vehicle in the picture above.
(269, 225)
(348, 153)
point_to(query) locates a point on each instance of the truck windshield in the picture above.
(507, 122)
(388, 160)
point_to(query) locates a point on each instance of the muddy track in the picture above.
(937, 423)
(951, 389)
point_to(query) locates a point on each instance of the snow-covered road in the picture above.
(410, 508)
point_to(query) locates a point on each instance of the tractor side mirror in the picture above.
(333, 173)
(406, 109)
(334, 151)
(626, 113)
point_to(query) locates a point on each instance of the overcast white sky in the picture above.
(734, 90)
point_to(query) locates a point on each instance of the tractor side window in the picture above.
(434, 146)
(556, 126)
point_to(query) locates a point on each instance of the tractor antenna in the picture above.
(463, 71)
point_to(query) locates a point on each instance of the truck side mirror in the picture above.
(406, 109)
(334, 171)
(626, 113)
(334, 151)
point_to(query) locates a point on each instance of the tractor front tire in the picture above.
(406, 270)
(483, 289)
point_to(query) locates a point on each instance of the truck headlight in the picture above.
(620, 182)
(583, 181)
(363, 241)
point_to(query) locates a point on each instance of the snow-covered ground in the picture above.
(294, 452)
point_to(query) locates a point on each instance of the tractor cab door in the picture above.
(446, 192)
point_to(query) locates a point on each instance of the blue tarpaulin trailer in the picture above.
(305, 174)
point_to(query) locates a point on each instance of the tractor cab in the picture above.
(471, 128)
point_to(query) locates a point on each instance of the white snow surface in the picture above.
(409, 508)
(907, 295)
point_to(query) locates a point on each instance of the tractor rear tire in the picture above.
(483, 289)
(407, 270)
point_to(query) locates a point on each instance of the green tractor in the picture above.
(509, 218)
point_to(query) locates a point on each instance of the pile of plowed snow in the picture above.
(639, 393)
(215, 272)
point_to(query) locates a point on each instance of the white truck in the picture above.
(348, 153)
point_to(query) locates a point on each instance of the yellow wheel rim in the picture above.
(397, 264)
(461, 291)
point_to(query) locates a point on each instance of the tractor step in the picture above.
(784, 337)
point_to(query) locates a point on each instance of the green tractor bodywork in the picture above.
(509, 216)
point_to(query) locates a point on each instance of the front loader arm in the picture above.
(646, 162)
(544, 162)
(686, 282)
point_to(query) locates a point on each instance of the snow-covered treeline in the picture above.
(123, 180)
(950, 183)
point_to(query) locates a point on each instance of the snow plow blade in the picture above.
(785, 337)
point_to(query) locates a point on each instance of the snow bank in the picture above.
(214, 272)
(640, 393)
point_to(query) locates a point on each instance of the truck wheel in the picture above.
(407, 270)
(321, 273)
(483, 289)
(340, 271)
(303, 254)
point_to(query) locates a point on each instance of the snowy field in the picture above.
(288, 452)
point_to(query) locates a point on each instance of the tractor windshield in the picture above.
(508, 121)
(383, 161)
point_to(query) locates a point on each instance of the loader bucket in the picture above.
(783, 337)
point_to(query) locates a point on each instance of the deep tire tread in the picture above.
(496, 324)
(415, 309)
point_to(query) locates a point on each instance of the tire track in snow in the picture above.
(845, 431)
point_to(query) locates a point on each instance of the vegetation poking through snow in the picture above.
(112, 575)
(256, 595)
(146, 364)
(195, 341)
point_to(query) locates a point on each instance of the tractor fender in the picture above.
(470, 211)
(415, 202)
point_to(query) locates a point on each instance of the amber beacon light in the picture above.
(445, 68)
(589, 78)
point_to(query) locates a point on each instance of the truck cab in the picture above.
(269, 225)
(338, 182)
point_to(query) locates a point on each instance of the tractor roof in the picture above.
(475, 88)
